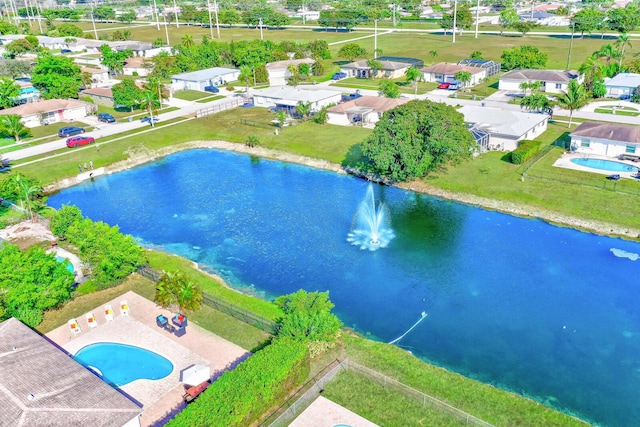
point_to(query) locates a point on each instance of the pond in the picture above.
(544, 311)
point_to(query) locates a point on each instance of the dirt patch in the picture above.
(27, 233)
(139, 157)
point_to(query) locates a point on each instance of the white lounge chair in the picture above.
(124, 308)
(108, 312)
(74, 326)
(91, 320)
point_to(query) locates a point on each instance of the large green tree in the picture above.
(413, 76)
(573, 99)
(588, 20)
(464, 19)
(523, 57)
(352, 51)
(56, 76)
(113, 59)
(414, 139)
(126, 94)
(388, 89)
(9, 91)
(128, 17)
(18, 48)
(508, 17)
(69, 30)
(624, 20)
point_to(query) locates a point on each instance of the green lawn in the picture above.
(191, 95)
(620, 111)
(209, 99)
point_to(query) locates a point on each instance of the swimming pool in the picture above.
(121, 364)
(605, 165)
(69, 264)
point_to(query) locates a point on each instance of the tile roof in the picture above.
(283, 65)
(450, 68)
(99, 91)
(375, 103)
(42, 107)
(608, 131)
(556, 76)
(40, 386)
(503, 122)
(92, 70)
(386, 65)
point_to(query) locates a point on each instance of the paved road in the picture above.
(108, 129)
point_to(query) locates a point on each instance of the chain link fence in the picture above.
(234, 102)
(248, 317)
(295, 405)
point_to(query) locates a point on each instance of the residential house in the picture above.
(363, 111)
(622, 85)
(279, 70)
(414, 62)
(287, 97)
(388, 69)
(50, 111)
(505, 127)
(40, 386)
(98, 75)
(491, 67)
(137, 66)
(198, 80)
(541, 17)
(607, 139)
(444, 72)
(99, 95)
(553, 81)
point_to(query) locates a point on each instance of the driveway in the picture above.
(503, 95)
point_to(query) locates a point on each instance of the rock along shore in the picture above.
(140, 157)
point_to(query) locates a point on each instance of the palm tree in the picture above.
(374, 65)
(591, 69)
(245, 74)
(414, 75)
(574, 98)
(536, 102)
(463, 77)
(187, 41)
(175, 291)
(86, 80)
(621, 43)
(12, 126)
(153, 85)
(26, 191)
(150, 103)
(607, 51)
(304, 109)
(433, 54)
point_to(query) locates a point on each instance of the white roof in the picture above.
(503, 122)
(292, 95)
(624, 80)
(202, 75)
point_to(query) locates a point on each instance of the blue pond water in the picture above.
(68, 265)
(120, 364)
(605, 165)
(544, 311)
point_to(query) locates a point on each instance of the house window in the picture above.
(585, 143)
(630, 148)
(558, 85)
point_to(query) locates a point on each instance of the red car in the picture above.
(80, 140)
(444, 85)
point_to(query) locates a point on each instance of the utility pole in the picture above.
(260, 21)
(210, 22)
(215, 9)
(155, 9)
(573, 30)
(166, 30)
(532, 4)
(455, 16)
(477, 17)
(394, 14)
(93, 22)
(175, 11)
(38, 11)
(26, 7)
(375, 38)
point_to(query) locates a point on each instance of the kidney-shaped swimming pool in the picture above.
(120, 364)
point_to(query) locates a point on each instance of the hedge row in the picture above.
(525, 150)
(110, 255)
(242, 395)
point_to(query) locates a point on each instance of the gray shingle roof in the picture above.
(386, 65)
(202, 75)
(42, 386)
(624, 80)
(554, 76)
(608, 131)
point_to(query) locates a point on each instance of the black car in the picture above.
(211, 89)
(70, 131)
(106, 117)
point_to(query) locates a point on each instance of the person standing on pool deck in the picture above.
(91, 164)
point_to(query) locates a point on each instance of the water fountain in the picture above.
(371, 229)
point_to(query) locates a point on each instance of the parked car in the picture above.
(444, 85)
(148, 120)
(77, 141)
(211, 89)
(338, 76)
(63, 51)
(106, 117)
(70, 131)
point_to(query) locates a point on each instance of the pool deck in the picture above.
(565, 162)
(160, 399)
(325, 413)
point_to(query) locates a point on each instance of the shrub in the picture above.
(230, 88)
(64, 218)
(242, 395)
(525, 150)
